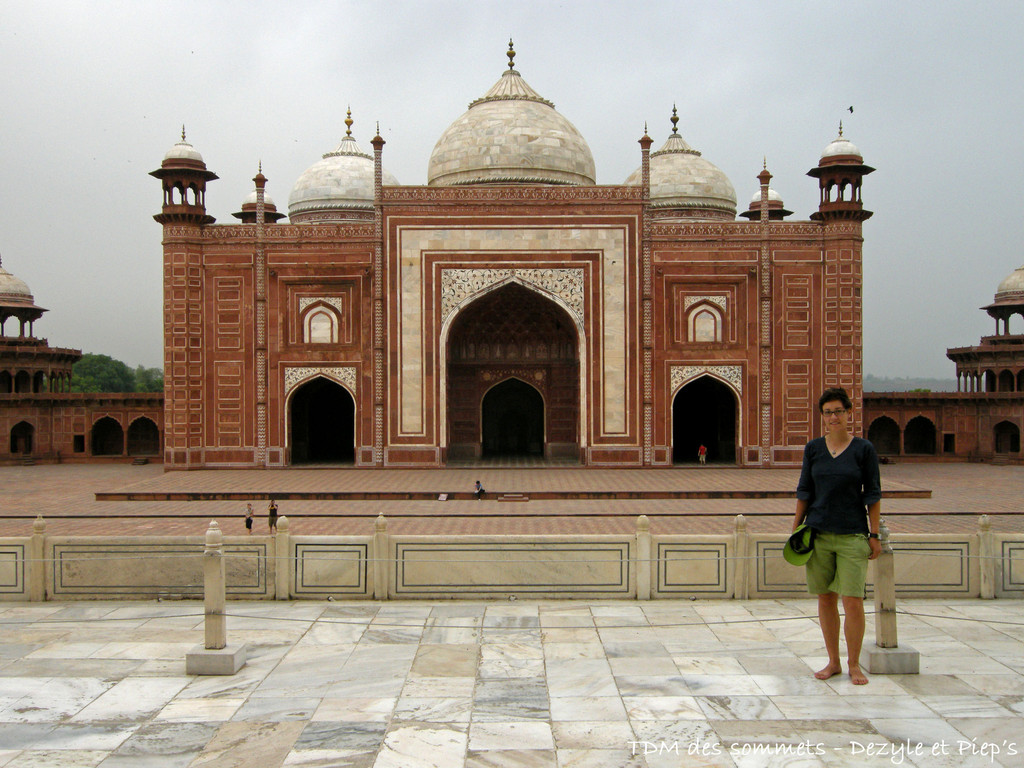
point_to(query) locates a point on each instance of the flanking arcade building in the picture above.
(509, 307)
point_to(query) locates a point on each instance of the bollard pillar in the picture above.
(643, 558)
(380, 558)
(987, 559)
(886, 657)
(215, 656)
(37, 567)
(284, 565)
(741, 567)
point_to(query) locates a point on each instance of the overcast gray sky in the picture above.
(94, 93)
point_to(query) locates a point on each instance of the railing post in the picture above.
(987, 558)
(379, 553)
(215, 656)
(741, 563)
(886, 657)
(643, 558)
(284, 565)
(36, 570)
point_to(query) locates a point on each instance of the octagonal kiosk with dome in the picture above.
(510, 308)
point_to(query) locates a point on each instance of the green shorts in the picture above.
(838, 564)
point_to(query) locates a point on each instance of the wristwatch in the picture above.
(872, 535)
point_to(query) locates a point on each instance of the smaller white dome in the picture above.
(340, 185)
(14, 291)
(1012, 286)
(773, 196)
(840, 147)
(183, 151)
(684, 181)
(250, 199)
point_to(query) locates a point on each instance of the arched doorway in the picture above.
(884, 434)
(512, 415)
(1007, 437)
(107, 437)
(22, 434)
(323, 419)
(143, 437)
(521, 350)
(919, 436)
(704, 413)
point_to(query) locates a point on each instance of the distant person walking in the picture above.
(702, 454)
(839, 497)
(478, 491)
(248, 518)
(272, 516)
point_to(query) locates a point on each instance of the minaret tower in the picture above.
(840, 172)
(184, 176)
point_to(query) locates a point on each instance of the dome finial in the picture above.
(840, 129)
(511, 53)
(765, 166)
(183, 132)
(675, 120)
(348, 122)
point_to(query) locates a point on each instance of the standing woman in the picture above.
(839, 496)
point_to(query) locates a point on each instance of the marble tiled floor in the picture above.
(503, 684)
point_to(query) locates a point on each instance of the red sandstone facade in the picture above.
(506, 310)
(983, 420)
(42, 420)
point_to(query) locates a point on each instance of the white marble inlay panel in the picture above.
(614, 355)
(459, 284)
(342, 374)
(684, 374)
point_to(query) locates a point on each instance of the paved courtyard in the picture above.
(65, 496)
(503, 685)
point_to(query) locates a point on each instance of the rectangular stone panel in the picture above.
(557, 567)
(137, 569)
(12, 569)
(692, 568)
(330, 568)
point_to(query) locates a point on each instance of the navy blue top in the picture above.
(839, 489)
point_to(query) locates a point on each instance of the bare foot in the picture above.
(857, 677)
(829, 671)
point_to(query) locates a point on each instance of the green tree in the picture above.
(101, 373)
(149, 379)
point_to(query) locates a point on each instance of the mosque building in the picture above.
(511, 307)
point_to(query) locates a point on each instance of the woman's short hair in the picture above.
(834, 393)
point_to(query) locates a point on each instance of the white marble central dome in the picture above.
(511, 135)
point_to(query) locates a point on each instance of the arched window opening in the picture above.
(990, 381)
(1007, 437)
(919, 437)
(884, 434)
(6, 382)
(1006, 381)
(22, 435)
(39, 382)
(705, 323)
(704, 412)
(143, 437)
(320, 326)
(107, 437)
(1020, 381)
(22, 382)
